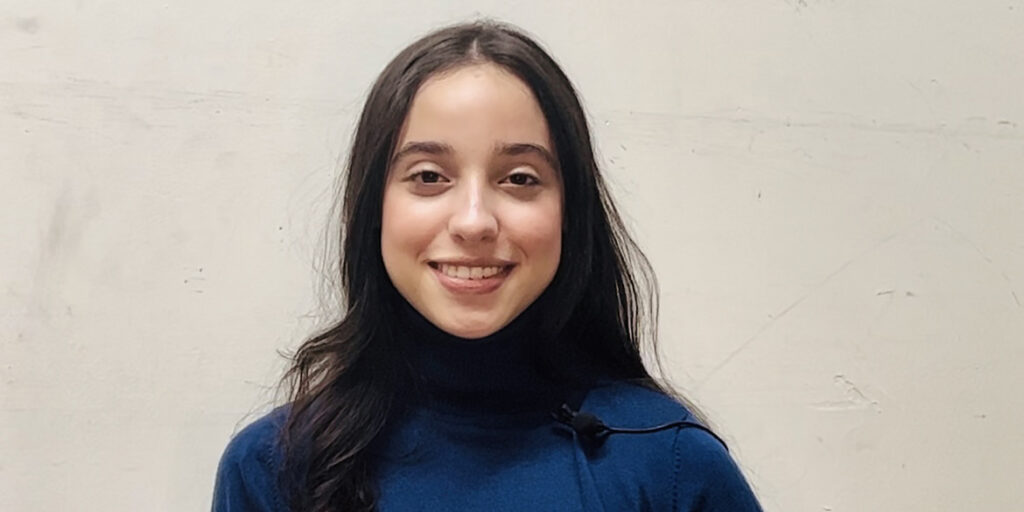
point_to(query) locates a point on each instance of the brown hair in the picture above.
(344, 381)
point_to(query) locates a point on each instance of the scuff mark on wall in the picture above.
(27, 25)
(854, 399)
(195, 281)
(59, 245)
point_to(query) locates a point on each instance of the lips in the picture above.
(472, 279)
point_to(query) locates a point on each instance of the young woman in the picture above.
(489, 354)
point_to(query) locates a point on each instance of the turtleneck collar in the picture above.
(500, 373)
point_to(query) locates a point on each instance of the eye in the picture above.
(427, 177)
(522, 179)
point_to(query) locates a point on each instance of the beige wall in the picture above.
(832, 193)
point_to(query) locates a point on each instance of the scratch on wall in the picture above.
(854, 399)
(973, 126)
(792, 305)
(984, 255)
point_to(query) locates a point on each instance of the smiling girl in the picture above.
(489, 357)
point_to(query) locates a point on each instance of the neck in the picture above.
(499, 373)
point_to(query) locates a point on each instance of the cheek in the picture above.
(401, 232)
(541, 235)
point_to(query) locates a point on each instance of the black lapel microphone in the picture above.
(591, 429)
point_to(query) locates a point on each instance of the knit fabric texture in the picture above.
(477, 434)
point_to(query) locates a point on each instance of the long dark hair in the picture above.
(601, 305)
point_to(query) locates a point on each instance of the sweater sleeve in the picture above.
(707, 478)
(247, 473)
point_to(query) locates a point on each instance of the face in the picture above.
(471, 228)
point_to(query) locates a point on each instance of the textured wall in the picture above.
(832, 193)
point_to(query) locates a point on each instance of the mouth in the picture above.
(467, 272)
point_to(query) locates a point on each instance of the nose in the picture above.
(473, 219)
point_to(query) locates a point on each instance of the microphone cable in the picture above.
(591, 428)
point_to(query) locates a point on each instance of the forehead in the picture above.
(479, 104)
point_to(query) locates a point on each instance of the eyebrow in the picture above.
(501, 148)
(524, 148)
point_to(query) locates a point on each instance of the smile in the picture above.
(475, 279)
(468, 272)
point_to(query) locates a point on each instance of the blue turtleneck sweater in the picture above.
(479, 436)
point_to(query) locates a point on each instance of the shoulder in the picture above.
(248, 469)
(685, 468)
(629, 405)
(707, 477)
(256, 444)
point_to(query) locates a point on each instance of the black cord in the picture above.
(592, 428)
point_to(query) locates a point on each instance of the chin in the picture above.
(473, 332)
(473, 329)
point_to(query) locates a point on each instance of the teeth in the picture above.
(464, 272)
